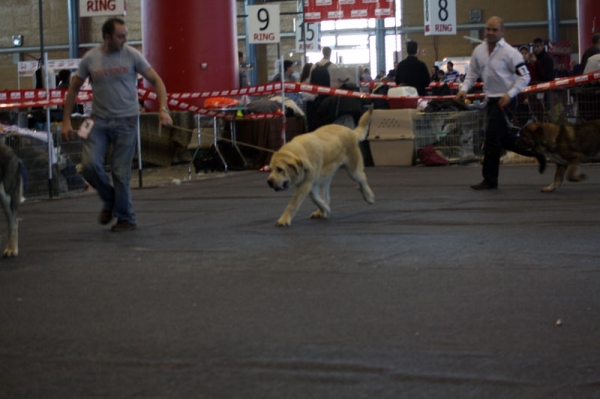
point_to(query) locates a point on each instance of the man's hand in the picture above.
(67, 131)
(461, 96)
(165, 118)
(504, 100)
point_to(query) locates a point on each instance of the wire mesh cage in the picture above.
(34, 155)
(456, 136)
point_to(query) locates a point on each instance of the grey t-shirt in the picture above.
(114, 80)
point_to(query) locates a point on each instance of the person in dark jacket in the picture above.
(590, 51)
(434, 74)
(545, 67)
(413, 72)
(544, 60)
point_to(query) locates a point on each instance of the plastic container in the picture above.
(403, 97)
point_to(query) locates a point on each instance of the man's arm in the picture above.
(161, 92)
(523, 78)
(470, 79)
(74, 86)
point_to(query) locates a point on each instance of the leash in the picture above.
(213, 136)
(511, 119)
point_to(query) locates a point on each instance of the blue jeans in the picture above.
(122, 134)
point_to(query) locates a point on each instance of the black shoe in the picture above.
(105, 216)
(485, 185)
(123, 225)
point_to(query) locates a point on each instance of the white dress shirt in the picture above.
(502, 72)
(592, 64)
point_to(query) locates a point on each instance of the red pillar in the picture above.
(192, 44)
(588, 15)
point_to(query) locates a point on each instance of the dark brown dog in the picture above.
(567, 146)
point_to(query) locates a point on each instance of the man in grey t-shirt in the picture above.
(112, 68)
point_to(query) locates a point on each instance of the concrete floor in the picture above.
(434, 291)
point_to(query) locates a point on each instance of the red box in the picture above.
(403, 102)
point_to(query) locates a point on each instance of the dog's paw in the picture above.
(284, 221)
(318, 214)
(10, 252)
(577, 178)
(368, 196)
(548, 189)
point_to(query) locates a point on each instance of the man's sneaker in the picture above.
(105, 216)
(485, 185)
(123, 225)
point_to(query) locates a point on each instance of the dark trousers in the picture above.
(497, 137)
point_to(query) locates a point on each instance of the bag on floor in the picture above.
(209, 162)
(428, 157)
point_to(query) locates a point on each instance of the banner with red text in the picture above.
(325, 10)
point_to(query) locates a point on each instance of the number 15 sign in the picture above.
(307, 35)
(263, 24)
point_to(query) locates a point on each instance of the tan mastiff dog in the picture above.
(310, 161)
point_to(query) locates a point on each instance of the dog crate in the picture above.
(456, 136)
(391, 137)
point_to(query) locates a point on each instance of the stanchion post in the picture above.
(282, 71)
(51, 152)
(139, 148)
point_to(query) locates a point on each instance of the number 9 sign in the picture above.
(263, 24)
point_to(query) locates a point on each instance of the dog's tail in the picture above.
(363, 124)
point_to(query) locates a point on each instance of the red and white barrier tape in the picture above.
(37, 97)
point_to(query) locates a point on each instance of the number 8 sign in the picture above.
(263, 24)
(440, 17)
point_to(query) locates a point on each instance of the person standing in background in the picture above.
(288, 72)
(113, 67)
(366, 75)
(590, 51)
(411, 71)
(452, 75)
(326, 62)
(544, 60)
(243, 71)
(434, 74)
(561, 72)
(530, 62)
(392, 72)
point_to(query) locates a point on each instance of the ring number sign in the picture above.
(440, 17)
(307, 35)
(263, 24)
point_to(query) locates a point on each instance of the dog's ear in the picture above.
(550, 133)
(526, 135)
(296, 165)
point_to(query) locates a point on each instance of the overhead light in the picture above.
(17, 40)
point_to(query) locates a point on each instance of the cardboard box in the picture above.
(391, 137)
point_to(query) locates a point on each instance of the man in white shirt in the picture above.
(592, 64)
(504, 75)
